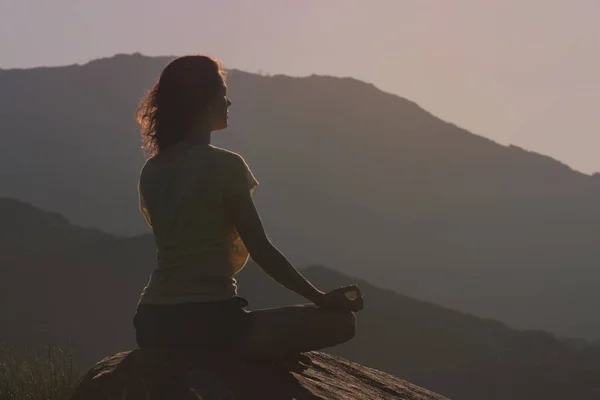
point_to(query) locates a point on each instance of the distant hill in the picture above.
(89, 295)
(28, 229)
(350, 176)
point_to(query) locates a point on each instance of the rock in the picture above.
(130, 376)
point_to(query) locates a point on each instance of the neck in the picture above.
(200, 134)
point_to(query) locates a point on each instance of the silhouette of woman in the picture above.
(197, 199)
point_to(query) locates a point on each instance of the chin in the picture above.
(220, 127)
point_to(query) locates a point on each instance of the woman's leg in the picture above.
(284, 331)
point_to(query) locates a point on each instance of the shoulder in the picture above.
(236, 168)
(228, 157)
(225, 153)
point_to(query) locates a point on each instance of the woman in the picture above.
(197, 199)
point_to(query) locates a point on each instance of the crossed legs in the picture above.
(285, 331)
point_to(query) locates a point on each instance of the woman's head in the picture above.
(191, 91)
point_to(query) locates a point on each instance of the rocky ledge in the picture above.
(130, 376)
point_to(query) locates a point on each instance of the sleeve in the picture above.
(239, 178)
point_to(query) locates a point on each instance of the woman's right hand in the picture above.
(338, 300)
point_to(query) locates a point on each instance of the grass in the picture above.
(46, 373)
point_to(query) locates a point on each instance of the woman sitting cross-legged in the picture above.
(197, 199)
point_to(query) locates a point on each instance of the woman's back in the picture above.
(199, 251)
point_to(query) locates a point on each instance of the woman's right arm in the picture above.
(247, 221)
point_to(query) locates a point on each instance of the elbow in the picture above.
(260, 250)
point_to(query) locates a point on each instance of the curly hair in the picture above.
(184, 89)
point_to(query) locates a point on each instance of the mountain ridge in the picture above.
(126, 57)
(351, 176)
(86, 297)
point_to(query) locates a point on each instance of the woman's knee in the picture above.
(345, 322)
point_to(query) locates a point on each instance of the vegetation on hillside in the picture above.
(45, 373)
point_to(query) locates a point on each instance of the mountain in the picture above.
(28, 229)
(350, 176)
(87, 296)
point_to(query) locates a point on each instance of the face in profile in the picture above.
(219, 110)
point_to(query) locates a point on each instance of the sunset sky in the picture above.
(525, 72)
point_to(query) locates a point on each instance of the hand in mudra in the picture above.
(338, 299)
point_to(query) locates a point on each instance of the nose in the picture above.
(228, 102)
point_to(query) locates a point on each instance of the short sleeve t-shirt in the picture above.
(182, 199)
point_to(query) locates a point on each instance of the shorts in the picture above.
(192, 327)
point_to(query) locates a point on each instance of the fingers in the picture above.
(359, 303)
(355, 289)
(339, 299)
(358, 300)
(356, 303)
(348, 289)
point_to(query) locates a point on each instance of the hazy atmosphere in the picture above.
(519, 72)
(425, 223)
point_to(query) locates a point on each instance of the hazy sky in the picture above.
(525, 72)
